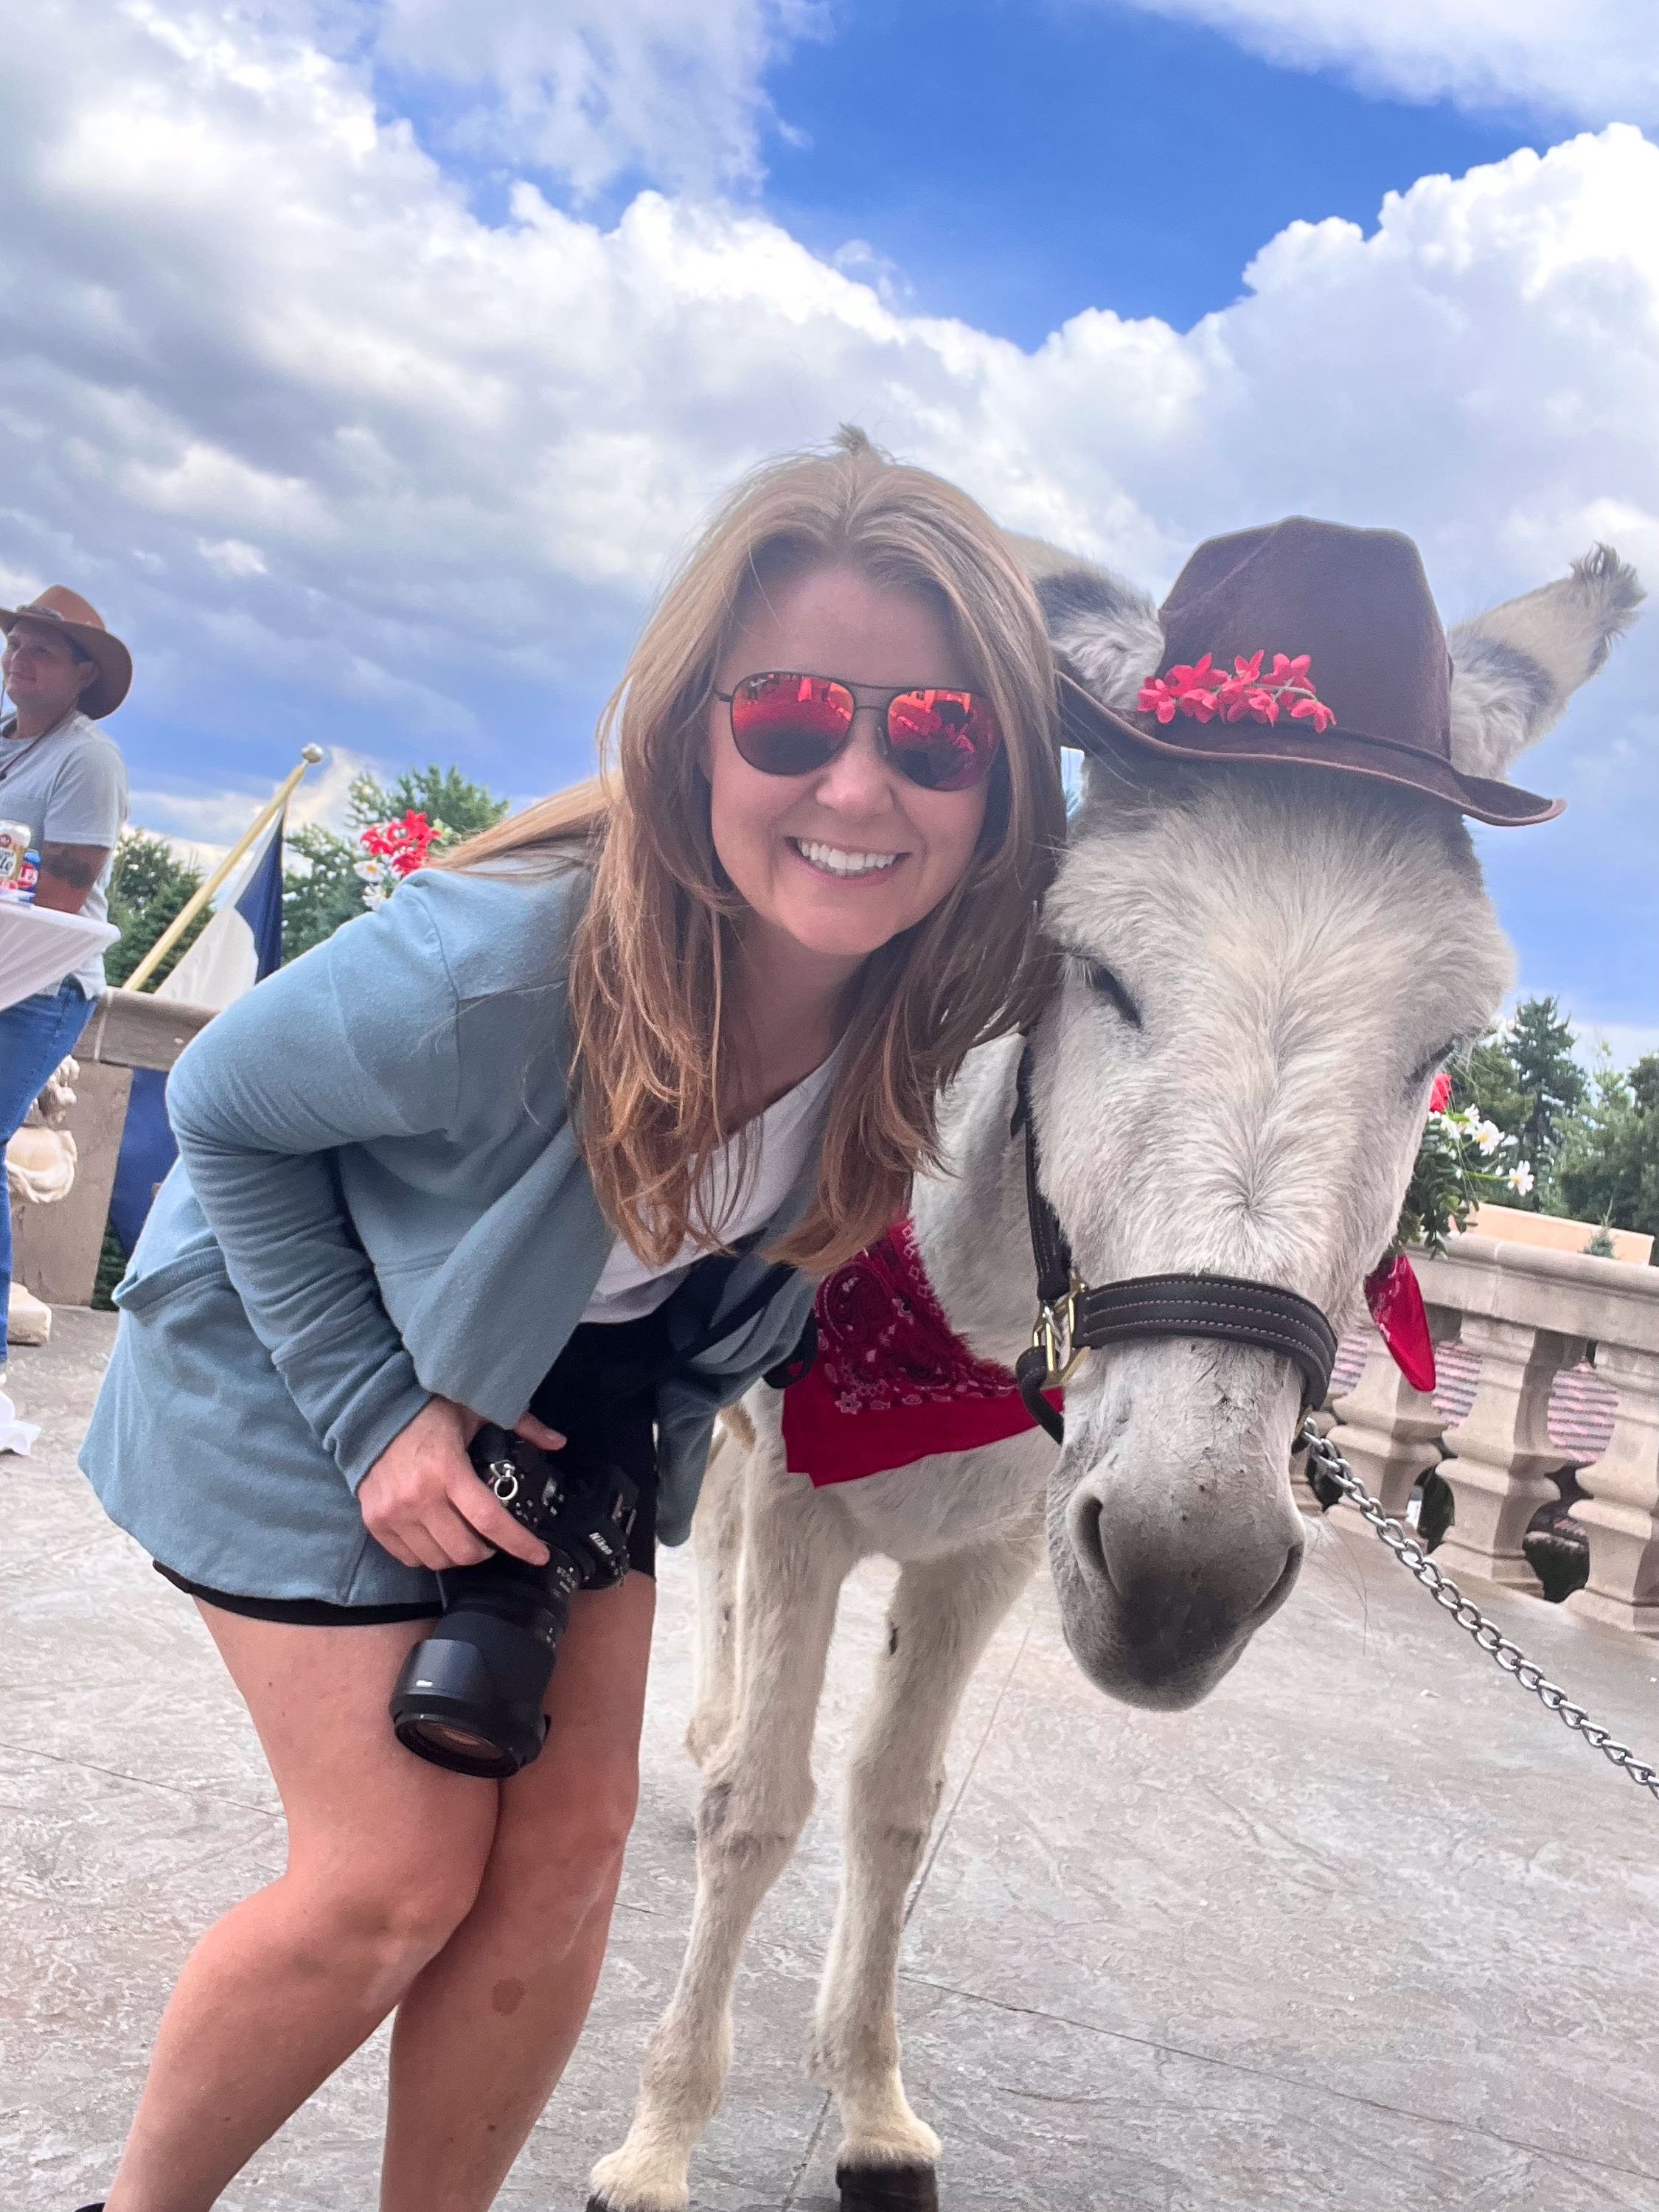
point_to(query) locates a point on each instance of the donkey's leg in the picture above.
(717, 1549)
(942, 1617)
(757, 1792)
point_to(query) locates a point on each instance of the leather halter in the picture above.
(1073, 1318)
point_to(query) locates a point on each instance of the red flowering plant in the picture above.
(1205, 693)
(393, 850)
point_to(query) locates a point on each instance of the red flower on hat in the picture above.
(1440, 1094)
(1201, 692)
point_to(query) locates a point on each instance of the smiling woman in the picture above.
(832, 804)
(512, 1178)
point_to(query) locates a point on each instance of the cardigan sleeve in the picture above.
(355, 1041)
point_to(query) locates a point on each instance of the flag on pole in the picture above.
(244, 941)
(240, 947)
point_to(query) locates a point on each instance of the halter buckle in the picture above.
(1054, 1338)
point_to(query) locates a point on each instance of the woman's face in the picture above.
(838, 861)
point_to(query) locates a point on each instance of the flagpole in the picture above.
(197, 899)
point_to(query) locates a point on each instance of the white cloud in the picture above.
(246, 312)
(1589, 61)
(1625, 1041)
(202, 825)
(232, 557)
(592, 90)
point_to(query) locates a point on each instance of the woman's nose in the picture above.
(858, 780)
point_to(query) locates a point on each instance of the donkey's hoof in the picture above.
(625, 2182)
(888, 2188)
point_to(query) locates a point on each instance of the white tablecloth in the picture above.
(39, 946)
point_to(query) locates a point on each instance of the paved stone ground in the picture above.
(1364, 1930)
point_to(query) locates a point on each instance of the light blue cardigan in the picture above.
(379, 1196)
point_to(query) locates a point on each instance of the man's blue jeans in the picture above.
(34, 1035)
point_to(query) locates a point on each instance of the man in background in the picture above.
(66, 779)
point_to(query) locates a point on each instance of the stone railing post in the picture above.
(1389, 1433)
(1501, 1458)
(1621, 1513)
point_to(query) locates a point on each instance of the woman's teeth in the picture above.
(838, 862)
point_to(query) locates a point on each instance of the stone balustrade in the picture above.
(1526, 1314)
(56, 1251)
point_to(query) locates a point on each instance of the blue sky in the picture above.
(389, 349)
(1083, 157)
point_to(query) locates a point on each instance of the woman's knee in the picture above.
(388, 1913)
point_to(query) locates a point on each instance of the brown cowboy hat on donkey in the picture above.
(62, 609)
(1313, 645)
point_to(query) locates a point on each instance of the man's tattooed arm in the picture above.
(68, 872)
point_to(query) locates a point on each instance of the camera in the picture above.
(470, 1697)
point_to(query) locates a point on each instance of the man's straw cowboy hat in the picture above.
(1308, 643)
(62, 609)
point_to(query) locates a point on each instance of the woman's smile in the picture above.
(841, 863)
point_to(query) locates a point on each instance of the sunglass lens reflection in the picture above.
(790, 725)
(942, 740)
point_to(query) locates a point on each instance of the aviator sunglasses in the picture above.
(786, 723)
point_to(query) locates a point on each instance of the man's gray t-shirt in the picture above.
(70, 787)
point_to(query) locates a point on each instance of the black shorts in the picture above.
(590, 1396)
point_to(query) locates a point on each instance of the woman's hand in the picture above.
(423, 1502)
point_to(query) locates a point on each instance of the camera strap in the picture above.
(755, 1300)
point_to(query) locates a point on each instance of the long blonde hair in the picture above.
(653, 952)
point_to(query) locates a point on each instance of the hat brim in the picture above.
(114, 662)
(1093, 729)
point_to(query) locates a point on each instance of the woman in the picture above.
(451, 1164)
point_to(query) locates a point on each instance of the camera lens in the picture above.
(470, 1697)
(449, 1742)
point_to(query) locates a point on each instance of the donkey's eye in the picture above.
(1436, 1060)
(1101, 981)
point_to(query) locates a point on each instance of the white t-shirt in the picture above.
(781, 1137)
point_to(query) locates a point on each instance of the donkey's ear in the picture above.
(1514, 668)
(1106, 631)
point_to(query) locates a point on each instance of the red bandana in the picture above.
(1395, 1298)
(893, 1382)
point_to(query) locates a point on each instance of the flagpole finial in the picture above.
(311, 755)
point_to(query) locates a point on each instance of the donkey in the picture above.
(1261, 969)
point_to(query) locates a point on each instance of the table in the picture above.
(38, 947)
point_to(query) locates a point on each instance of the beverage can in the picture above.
(20, 864)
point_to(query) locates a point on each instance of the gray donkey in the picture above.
(1264, 968)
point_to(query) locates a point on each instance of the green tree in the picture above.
(1488, 1079)
(449, 801)
(1523, 1076)
(1552, 1083)
(148, 885)
(321, 887)
(1609, 1167)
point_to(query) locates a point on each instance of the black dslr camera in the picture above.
(470, 1697)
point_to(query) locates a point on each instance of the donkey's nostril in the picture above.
(1281, 1589)
(1089, 1539)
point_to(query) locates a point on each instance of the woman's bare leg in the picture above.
(485, 2032)
(385, 1858)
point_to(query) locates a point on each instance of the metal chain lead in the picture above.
(1469, 1616)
